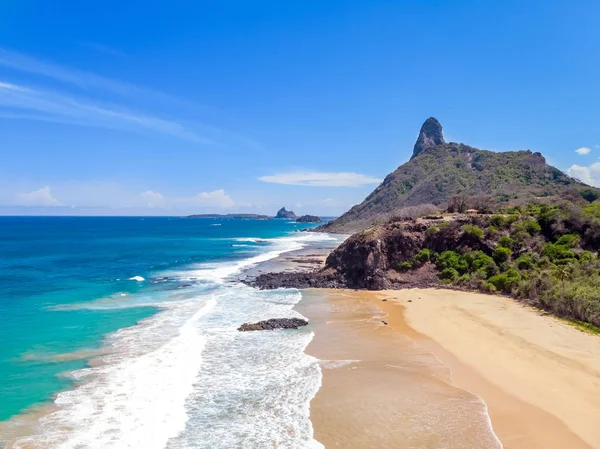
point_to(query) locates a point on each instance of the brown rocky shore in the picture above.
(369, 259)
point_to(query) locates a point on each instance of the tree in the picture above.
(458, 203)
(589, 195)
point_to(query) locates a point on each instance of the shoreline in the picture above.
(539, 377)
(27, 430)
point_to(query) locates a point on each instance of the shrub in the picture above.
(501, 254)
(525, 262)
(520, 238)
(473, 232)
(587, 256)
(569, 240)
(405, 266)
(506, 281)
(593, 210)
(491, 231)
(431, 231)
(464, 279)
(487, 287)
(423, 256)
(529, 226)
(454, 260)
(556, 252)
(481, 262)
(449, 274)
(499, 221)
(506, 242)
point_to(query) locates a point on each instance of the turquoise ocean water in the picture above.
(124, 330)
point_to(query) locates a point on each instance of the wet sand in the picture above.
(421, 380)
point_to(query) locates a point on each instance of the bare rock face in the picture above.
(272, 324)
(429, 136)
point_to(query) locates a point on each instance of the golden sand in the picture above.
(420, 377)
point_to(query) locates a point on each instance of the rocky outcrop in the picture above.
(429, 136)
(273, 323)
(283, 213)
(308, 219)
(370, 259)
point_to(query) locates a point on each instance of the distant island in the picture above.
(244, 216)
(308, 219)
(283, 213)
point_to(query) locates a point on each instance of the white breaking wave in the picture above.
(137, 278)
(134, 400)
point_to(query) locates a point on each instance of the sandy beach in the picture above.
(430, 368)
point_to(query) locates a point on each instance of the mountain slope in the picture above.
(439, 170)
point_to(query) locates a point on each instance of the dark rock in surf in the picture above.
(273, 323)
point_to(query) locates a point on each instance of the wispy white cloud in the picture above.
(86, 80)
(589, 174)
(28, 103)
(583, 151)
(39, 197)
(64, 94)
(321, 179)
(9, 86)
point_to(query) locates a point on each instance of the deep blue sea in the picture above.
(120, 332)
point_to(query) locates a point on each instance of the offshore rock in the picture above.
(283, 213)
(273, 323)
(308, 219)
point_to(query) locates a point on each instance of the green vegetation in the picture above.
(546, 255)
(473, 232)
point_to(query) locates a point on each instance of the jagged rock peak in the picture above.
(284, 213)
(429, 136)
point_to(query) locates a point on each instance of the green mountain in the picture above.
(440, 172)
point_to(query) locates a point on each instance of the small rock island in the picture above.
(308, 219)
(284, 213)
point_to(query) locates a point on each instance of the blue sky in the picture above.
(224, 106)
